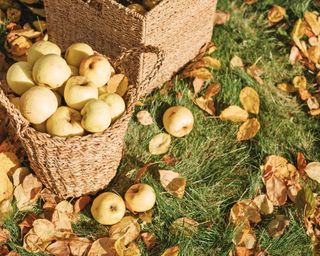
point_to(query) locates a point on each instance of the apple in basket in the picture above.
(77, 52)
(108, 208)
(78, 91)
(97, 69)
(178, 121)
(140, 198)
(116, 104)
(40, 49)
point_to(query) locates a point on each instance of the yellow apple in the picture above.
(19, 77)
(178, 121)
(16, 102)
(40, 127)
(77, 52)
(96, 116)
(65, 122)
(38, 104)
(116, 104)
(78, 91)
(51, 70)
(40, 49)
(140, 198)
(108, 208)
(97, 69)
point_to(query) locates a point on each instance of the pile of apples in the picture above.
(109, 208)
(66, 96)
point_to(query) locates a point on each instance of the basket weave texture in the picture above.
(179, 28)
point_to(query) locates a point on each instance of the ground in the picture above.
(219, 170)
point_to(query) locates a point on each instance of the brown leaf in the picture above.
(244, 236)
(276, 190)
(243, 251)
(4, 250)
(236, 62)
(12, 253)
(185, 226)
(173, 183)
(59, 248)
(122, 250)
(285, 87)
(314, 54)
(248, 129)
(314, 112)
(103, 246)
(79, 246)
(44, 229)
(210, 62)
(170, 160)
(254, 71)
(205, 104)
(19, 175)
(264, 204)
(31, 187)
(301, 164)
(294, 55)
(144, 118)
(300, 82)
(234, 114)
(276, 165)
(201, 73)
(33, 243)
(49, 197)
(62, 218)
(277, 226)
(81, 203)
(250, 100)
(141, 172)
(313, 171)
(27, 223)
(148, 239)
(276, 14)
(198, 84)
(221, 17)
(313, 22)
(245, 210)
(146, 217)
(305, 95)
(127, 229)
(212, 91)
(313, 103)
(160, 144)
(4, 236)
(9, 162)
(172, 251)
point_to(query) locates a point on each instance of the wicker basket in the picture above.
(177, 27)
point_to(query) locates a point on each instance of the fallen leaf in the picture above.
(173, 183)
(285, 87)
(255, 73)
(160, 144)
(205, 104)
(33, 243)
(5, 210)
(243, 251)
(249, 2)
(198, 84)
(44, 229)
(6, 187)
(62, 218)
(201, 73)
(312, 20)
(170, 160)
(300, 82)
(276, 190)
(103, 246)
(276, 165)
(4, 250)
(264, 204)
(306, 202)
(79, 246)
(127, 229)
(236, 62)
(248, 129)
(244, 236)
(144, 118)
(210, 62)
(122, 250)
(81, 203)
(234, 114)
(148, 239)
(23, 202)
(172, 251)
(31, 187)
(313, 171)
(12, 253)
(313, 103)
(212, 90)
(314, 54)
(250, 100)
(4, 236)
(146, 217)
(9, 162)
(59, 248)
(185, 226)
(141, 172)
(294, 55)
(221, 17)
(27, 223)
(19, 175)
(299, 29)
(276, 14)
(245, 210)
(49, 197)
(277, 226)
(305, 95)
(315, 112)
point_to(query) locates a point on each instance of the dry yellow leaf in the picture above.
(248, 129)
(304, 94)
(160, 144)
(44, 229)
(314, 53)
(211, 62)
(33, 243)
(276, 165)
(245, 211)
(299, 29)
(172, 251)
(185, 226)
(294, 55)
(146, 217)
(127, 229)
(198, 84)
(173, 183)
(312, 20)
(313, 171)
(144, 117)
(250, 100)
(264, 204)
(103, 246)
(19, 175)
(148, 239)
(276, 190)
(201, 73)
(9, 162)
(276, 14)
(6, 187)
(221, 17)
(212, 90)
(313, 103)
(79, 246)
(5, 210)
(277, 226)
(31, 187)
(236, 62)
(234, 114)
(285, 87)
(244, 236)
(59, 248)
(205, 104)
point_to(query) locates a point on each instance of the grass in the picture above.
(219, 170)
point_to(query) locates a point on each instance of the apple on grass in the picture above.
(77, 52)
(51, 70)
(108, 208)
(140, 198)
(78, 91)
(96, 116)
(40, 49)
(19, 77)
(38, 104)
(116, 104)
(97, 69)
(178, 121)
(65, 122)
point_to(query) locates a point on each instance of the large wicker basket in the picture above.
(179, 28)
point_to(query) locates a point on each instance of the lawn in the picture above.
(220, 170)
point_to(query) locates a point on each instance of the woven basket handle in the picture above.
(142, 87)
(21, 124)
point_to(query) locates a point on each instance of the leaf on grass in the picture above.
(305, 202)
(127, 229)
(33, 243)
(244, 236)
(59, 248)
(221, 17)
(276, 14)
(197, 85)
(160, 144)
(6, 187)
(81, 203)
(27, 223)
(49, 197)
(314, 54)
(170, 160)
(4, 250)
(103, 246)
(4, 236)
(278, 225)
(212, 90)
(313, 103)
(276, 165)
(250, 100)
(9, 162)
(79, 246)
(245, 210)
(294, 55)
(276, 190)
(300, 82)
(144, 118)
(313, 171)
(173, 183)
(255, 73)
(285, 87)
(264, 204)
(236, 62)
(313, 22)
(234, 114)
(141, 172)
(205, 104)
(5, 210)
(62, 219)
(299, 29)
(122, 250)
(201, 73)
(210, 62)
(148, 239)
(19, 175)
(31, 187)
(172, 251)
(185, 226)
(44, 229)
(146, 217)
(242, 251)
(248, 129)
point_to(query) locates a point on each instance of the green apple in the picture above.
(40, 49)
(77, 52)
(97, 69)
(51, 70)
(178, 121)
(19, 77)
(108, 208)
(65, 122)
(96, 116)
(78, 91)
(38, 104)
(116, 104)
(140, 198)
